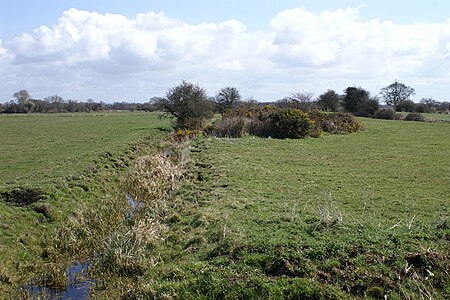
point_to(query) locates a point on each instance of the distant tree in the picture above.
(28, 106)
(189, 104)
(444, 107)
(354, 97)
(22, 96)
(406, 106)
(427, 105)
(395, 93)
(56, 103)
(227, 98)
(301, 100)
(367, 107)
(329, 101)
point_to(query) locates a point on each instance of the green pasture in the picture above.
(361, 215)
(356, 215)
(70, 160)
(39, 148)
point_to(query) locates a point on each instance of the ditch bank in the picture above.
(118, 236)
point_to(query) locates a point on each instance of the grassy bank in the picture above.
(344, 216)
(64, 162)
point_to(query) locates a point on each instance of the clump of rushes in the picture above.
(151, 180)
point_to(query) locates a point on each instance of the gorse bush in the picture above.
(271, 121)
(291, 123)
(341, 123)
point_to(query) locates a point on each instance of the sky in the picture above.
(112, 50)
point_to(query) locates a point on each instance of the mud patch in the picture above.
(22, 196)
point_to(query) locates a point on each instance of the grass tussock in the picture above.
(151, 180)
(119, 239)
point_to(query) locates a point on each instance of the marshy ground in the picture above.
(342, 216)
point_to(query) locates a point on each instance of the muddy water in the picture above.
(78, 285)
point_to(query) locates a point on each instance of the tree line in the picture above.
(24, 103)
(188, 102)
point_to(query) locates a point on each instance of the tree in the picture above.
(22, 96)
(395, 93)
(329, 101)
(406, 106)
(300, 100)
(227, 98)
(189, 104)
(354, 97)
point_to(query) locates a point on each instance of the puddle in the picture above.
(78, 285)
(134, 204)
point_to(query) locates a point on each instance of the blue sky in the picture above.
(18, 16)
(272, 49)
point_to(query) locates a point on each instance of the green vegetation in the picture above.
(39, 148)
(343, 216)
(54, 164)
(364, 214)
(431, 117)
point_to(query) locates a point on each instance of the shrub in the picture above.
(414, 117)
(291, 123)
(340, 123)
(189, 104)
(386, 114)
(232, 127)
(406, 105)
(318, 117)
(185, 134)
(262, 128)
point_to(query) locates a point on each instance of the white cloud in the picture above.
(112, 57)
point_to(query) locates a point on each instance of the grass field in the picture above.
(432, 117)
(70, 160)
(40, 148)
(356, 215)
(343, 216)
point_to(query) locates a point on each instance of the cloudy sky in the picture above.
(135, 49)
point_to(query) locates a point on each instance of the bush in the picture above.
(262, 128)
(406, 105)
(232, 127)
(291, 123)
(341, 123)
(189, 104)
(386, 114)
(414, 117)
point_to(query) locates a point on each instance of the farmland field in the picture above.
(342, 216)
(39, 148)
(431, 117)
(356, 215)
(60, 156)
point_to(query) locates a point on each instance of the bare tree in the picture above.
(22, 96)
(302, 100)
(227, 98)
(395, 93)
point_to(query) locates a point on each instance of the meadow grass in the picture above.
(343, 216)
(431, 117)
(71, 160)
(39, 148)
